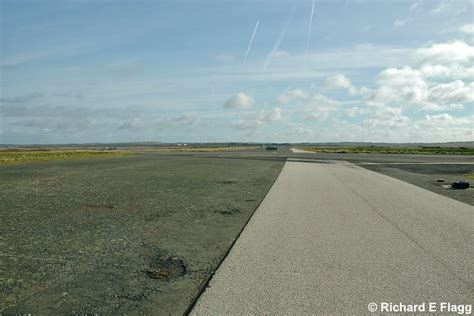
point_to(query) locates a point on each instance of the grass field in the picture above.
(139, 234)
(21, 156)
(393, 150)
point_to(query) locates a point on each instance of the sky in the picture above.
(236, 71)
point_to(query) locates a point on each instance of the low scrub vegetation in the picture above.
(394, 150)
(11, 157)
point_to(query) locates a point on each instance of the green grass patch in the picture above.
(469, 176)
(12, 157)
(393, 150)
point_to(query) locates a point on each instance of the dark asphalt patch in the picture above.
(432, 177)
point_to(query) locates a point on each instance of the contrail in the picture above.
(251, 40)
(277, 43)
(309, 33)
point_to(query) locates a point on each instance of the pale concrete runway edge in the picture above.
(331, 238)
(300, 151)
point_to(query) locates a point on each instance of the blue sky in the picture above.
(107, 71)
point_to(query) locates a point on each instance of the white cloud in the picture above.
(340, 81)
(320, 106)
(450, 60)
(292, 95)
(133, 124)
(467, 28)
(317, 114)
(454, 71)
(257, 119)
(354, 111)
(407, 87)
(239, 101)
(445, 119)
(246, 124)
(395, 85)
(455, 91)
(455, 106)
(272, 115)
(442, 107)
(184, 119)
(387, 117)
(447, 53)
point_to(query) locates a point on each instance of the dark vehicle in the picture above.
(272, 148)
(460, 185)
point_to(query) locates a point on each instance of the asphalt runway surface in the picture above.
(421, 170)
(332, 237)
(284, 152)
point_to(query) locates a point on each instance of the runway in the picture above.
(333, 237)
(301, 151)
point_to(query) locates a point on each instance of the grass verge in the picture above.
(469, 176)
(13, 157)
(393, 150)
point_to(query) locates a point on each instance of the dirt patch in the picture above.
(226, 182)
(165, 268)
(101, 205)
(229, 212)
